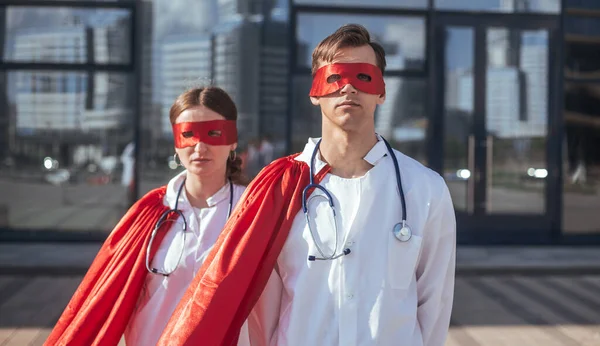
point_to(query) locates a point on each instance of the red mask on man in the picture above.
(331, 78)
(214, 132)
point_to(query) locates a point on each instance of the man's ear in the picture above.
(314, 100)
(381, 99)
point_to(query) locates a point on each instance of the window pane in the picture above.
(402, 119)
(306, 118)
(67, 35)
(360, 3)
(582, 4)
(459, 107)
(544, 6)
(516, 120)
(66, 165)
(212, 42)
(581, 165)
(582, 47)
(403, 38)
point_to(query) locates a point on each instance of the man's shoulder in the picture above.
(289, 161)
(419, 175)
(414, 167)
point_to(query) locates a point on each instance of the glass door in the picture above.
(496, 86)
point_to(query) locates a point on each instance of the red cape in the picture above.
(230, 281)
(102, 305)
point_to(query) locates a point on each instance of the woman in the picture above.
(170, 231)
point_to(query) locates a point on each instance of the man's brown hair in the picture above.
(349, 35)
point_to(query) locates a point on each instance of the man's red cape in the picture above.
(230, 281)
(223, 291)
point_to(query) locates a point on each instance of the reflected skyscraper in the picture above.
(78, 106)
(516, 84)
(5, 116)
(187, 61)
(251, 64)
(274, 81)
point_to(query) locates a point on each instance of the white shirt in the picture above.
(385, 292)
(160, 295)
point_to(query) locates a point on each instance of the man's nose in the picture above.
(348, 89)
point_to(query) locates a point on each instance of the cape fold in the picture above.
(230, 281)
(104, 301)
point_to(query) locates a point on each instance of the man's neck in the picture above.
(345, 151)
(199, 189)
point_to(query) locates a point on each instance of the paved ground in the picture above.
(490, 310)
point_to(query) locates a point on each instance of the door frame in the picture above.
(506, 229)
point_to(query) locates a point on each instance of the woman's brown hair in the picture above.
(217, 100)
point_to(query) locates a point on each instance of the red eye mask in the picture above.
(331, 78)
(214, 132)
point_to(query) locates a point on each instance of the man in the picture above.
(385, 291)
(350, 266)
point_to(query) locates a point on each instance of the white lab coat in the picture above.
(385, 292)
(160, 294)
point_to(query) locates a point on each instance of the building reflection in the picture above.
(581, 159)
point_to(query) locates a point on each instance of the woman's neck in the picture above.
(199, 189)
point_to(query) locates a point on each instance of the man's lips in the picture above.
(348, 103)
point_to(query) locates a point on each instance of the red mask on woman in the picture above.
(214, 132)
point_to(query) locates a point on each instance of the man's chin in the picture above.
(348, 119)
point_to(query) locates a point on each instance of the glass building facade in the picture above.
(498, 96)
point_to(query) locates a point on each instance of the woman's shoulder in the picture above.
(239, 189)
(154, 196)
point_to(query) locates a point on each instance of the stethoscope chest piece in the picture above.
(402, 232)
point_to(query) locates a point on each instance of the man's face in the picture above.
(348, 107)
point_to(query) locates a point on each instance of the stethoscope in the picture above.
(401, 230)
(163, 218)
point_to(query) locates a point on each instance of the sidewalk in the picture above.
(557, 306)
(488, 310)
(75, 258)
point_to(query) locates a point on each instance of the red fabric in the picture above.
(200, 131)
(230, 281)
(104, 301)
(347, 73)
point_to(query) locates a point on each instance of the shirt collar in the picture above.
(173, 188)
(373, 157)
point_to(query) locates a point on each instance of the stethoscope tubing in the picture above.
(180, 213)
(314, 186)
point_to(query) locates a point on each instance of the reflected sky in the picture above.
(373, 3)
(499, 5)
(403, 37)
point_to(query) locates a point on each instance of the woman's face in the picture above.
(203, 159)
